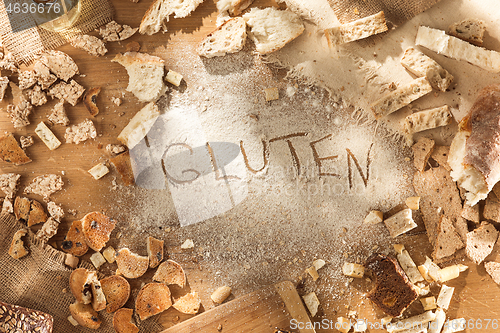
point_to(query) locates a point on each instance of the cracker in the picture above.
(11, 152)
(90, 44)
(97, 229)
(85, 315)
(27, 79)
(37, 214)
(115, 149)
(170, 272)
(70, 92)
(440, 155)
(36, 96)
(22, 208)
(48, 230)
(4, 84)
(152, 299)
(81, 132)
(493, 269)
(74, 242)
(59, 63)
(448, 241)
(58, 115)
(470, 213)
(45, 185)
(17, 249)
(422, 151)
(44, 78)
(491, 210)
(26, 141)
(117, 291)
(47, 136)
(9, 183)
(480, 242)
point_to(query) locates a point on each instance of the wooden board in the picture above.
(262, 311)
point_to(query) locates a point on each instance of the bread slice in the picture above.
(85, 315)
(131, 265)
(160, 11)
(188, 304)
(272, 29)
(28, 319)
(74, 242)
(10, 151)
(448, 241)
(122, 321)
(480, 242)
(17, 249)
(170, 272)
(145, 75)
(422, 151)
(37, 214)
(356, 30)
(228, 38)
(117, 291)
(155, 251)
(493, 269)
(97, 228)
(428, 119)
(421, 65)
(80, 284)
(152, 299)
(393, 292)
(470, 30)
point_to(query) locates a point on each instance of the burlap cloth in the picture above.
(30, 42)
(37, 281)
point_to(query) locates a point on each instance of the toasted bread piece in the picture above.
(22, 208)
(170, 272)
(228, 38)
(152, 299)
(80, 284)
(160, 10)
(11, 152)
(37, 214)
(155, 251)
(448, 241)
(17, 249)
(188, 304)
(122, 321)
(59, 63)
(356, 30)
(480, 242)
(90, 100)
(98, 296)
(74, 242)
(117, 291)
(97, 228)
(85, 315)
(131, 265)
(124, 167)
(493, 269)
(469, 30)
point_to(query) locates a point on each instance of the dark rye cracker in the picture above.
(440, 155)
(491, 209)
(11, 152)
(74, 242)
(448, 241)
(480, 242)
(439, 196)
(422, 151)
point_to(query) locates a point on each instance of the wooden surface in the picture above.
(261, 311)
(476, 296)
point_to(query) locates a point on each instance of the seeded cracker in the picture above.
(90, 44)
(448, 241)
(110, 31)
(21, 109)
(45, 185)
(49, 229)
(480, 242)
(27, 79)
(11, 152)
(58, 115)
(81, 132)
(60, 64)
(9, 183)
(44, 77)
(422, 150)
(70, 92)
(37, 96)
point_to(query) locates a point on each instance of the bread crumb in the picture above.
(116, 101)
(271, 94)
(188, 244)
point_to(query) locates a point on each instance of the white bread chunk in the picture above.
(160, 11)
(47, 137)
(401, 97)
(374, 217)
(228, 38)
(356, 30)
(174, 78)
(233, 7)
(220, 294)
(98, 171)
(139, 125)
(437, 324)
(421, 65)
(353, 270)
(428, 119)
(450, 272)
(469, 30)
(429, 303)
(444, 297)
(412, 322)
(312, 303)
(271, 29)
(455, 48)
(480, 242)
(400, 223)
(408, 265)
(145, 74)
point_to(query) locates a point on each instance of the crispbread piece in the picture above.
(139, 126)
(22, 208)
(97, 228)
(155, 251)
(400, 223)
(37, 214)
(233, 7)
(80, 132)
(440, 155)
(469, 30)
(422, 66)
(70, 92)
(20, 109)
(438, 195)
(80, 282)
(471, 213)
(124, 167)
(422, 151)
(131, 265)
(491, 210)
(400, 97)
(188, 304)
(152, 299)
(11, 152)
(122, 321)
(36, 96)
(448, 241)
(8, 62)
(74, 242)
(45, 185)
(170, 272)
(27, 79)
(117, 291)
(228, 38)
(4, 84)
(359, 29)
(110, 31)
(90, 100)
(272, 29)
(48, 230)
(9, 183)
(480, 242)
(98, 297)
(85, 315)
(90, 44)
(17, 249)
(393, 292)
(60, 64)
(26, 141)
(160, 11)
(428, 119)
(58, 115)
(44, 78)
(145, 75)
(493, 269)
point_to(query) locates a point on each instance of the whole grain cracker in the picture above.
(45, 185)
(440, 155)
(480, 242)
(448, 241)
(59, 63)
(9, 183)
(70, 92)
(58, 115)
(470, 213)
(81, 132)
(491, 210)
(90, 44)
(11, 152)
(422, 150)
